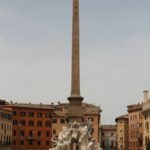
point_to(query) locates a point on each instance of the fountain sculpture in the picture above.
(76, 136)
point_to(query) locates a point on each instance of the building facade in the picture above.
(122, 132)
(146, 116)
(5, 129)
(32, 127)
(108, 137)
(136, 127)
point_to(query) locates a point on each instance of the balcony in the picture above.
(31, 138)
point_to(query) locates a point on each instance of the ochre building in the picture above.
(122, 132)
(136, 127)
(146, 116)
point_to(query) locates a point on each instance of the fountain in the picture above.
(76, 136)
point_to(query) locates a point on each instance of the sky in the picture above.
(35, 52)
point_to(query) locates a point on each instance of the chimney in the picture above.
(145, 92)
(52, 104)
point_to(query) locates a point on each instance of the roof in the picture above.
(91, 109)
(108, 127)
(122, 117)
(62, 108)
(25, 105)
(6, 109)
(134, 107)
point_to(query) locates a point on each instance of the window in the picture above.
(21, 133)
(15, 122)
(2, 126)
(47, 133)
(30, 142)
(3, 115)
(54, 131)
(54, 120)
(47, 142)
(31, 123)
(9, 117)
(30, 133)
(14, 132)
(62, 120)
(47, 115)
(22, 114)
(14, 113)
(120, 122)
(39, 115)
(21, 142)
(39, 142)
(47, 123)
(112, 134)
(31, 114)
(140, 115)
(39, 123)
(131, 134)
(7, 126)
(9, 139)
(147, 126)
(22, 122)
(91, 118)
(39, 133)
(103, 133)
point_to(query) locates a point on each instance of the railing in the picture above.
(31, 137)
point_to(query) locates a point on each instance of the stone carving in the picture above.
(76, 136)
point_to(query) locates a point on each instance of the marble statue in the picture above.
(76, 136)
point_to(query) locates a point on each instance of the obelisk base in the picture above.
(75, 110)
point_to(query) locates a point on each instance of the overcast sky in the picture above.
(35, 52)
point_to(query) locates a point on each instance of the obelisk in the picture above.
(75, 111)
